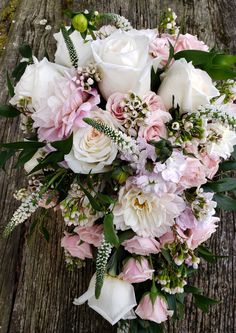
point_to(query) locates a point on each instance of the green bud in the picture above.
(80, 22)
(120, 175)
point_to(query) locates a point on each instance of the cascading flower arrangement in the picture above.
(125, 133)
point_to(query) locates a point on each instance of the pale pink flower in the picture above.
(159, 47)
(115, 105)
(190, 42)
(193, 174)
(211, 164)
(167, 238)
(76, 248)
(142, 245)
(136, 270)
(91, 235)
(157, 312)
(48, 200)
(64, 110)
(153, 101)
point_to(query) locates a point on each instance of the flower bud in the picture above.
(120, 175)
(80, 22)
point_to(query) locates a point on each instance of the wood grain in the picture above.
(36, 290)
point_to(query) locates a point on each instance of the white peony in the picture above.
(191, 87)
(37, 82)
(220, 141)
(92, 151)
(124, 62)
(146, 213)
(82, 48)
(116, 301)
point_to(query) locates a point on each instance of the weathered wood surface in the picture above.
(36, 290)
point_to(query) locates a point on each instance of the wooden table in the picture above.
(36, 290)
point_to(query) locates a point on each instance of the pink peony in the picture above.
(153, 101)
(115, 106)
(136, 270)
(91, 235)
(72, 244)
(142, 245)
(189, 42)
(193, 173)
(154, 127)
(62, 112)
(157, 312)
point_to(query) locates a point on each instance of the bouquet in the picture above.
(125, 133)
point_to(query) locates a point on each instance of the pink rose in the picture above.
(115, 105)
(136, 270)
(91, 235)
(157, 312)
(189, 42)
(159, 47)
(193, 173)
(153, 101)
(72, 244)
(142, 245)
(154, 127)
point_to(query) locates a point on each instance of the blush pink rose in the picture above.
(157, 312)
(142, 245)
(154, 127)
(153, 101)
(189, 42)
(76, 248)
(136, 270)
(193, 173)
(91, 235)
(115, 105)
(64, 110)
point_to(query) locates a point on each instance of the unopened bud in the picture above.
(80, 22)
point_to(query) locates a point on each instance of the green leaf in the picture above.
(104, 198)
(19, 70)
(4, 156)
(9, 111)
(192, 290)
(206, 254)
(233, 154)
(224, 59)
(167, 256)
(164, 149)
(126, 235)
(220, 72)
(228, 165)
(23, 145)
(222, 185)
(10, 86)
(225, 202)
(44, 231)
(94, 203)
(155, 79)
(196, 56)
(25, 51)
(171, 53)
(63, 145)
(109, 230)
(203, 302)
(25, 156)
(53, 157)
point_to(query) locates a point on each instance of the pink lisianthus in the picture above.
(154, 127)
(63, 111)
(115, 105)
(91, 235)
(167, 238)
(153, 101)
(137, 270)
(157, 311)
(193, 173)
(76, 248)
(142, 245)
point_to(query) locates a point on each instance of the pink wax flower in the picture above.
(190, 42)
(137, 270)
(91, 235)
(76, 248)
(115, 105)
(193, 174)
(49, 200)
(62, 112)
(154, 127)
(157, 312)
(142, 245)
(153, 101)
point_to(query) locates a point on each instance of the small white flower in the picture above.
(43, 22)
(86, 11)
(48, 27)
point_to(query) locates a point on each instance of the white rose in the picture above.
(146, 213)
(92, 151)
(37, 82)
(124, 62)
(190, 87)
(82, 48)
(116, 301)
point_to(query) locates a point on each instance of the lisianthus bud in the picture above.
(80, 22)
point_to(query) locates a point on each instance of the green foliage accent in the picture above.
(228, 165)
(101, 263)
(155, 79)
(26, 51)
(144, 326)
(207, 255)
(225, 202)
(19, 70)
(8, 111)
(5, 156)
(203, 302)
(164, 149)
(44, 231)
(222, 185)
(70, 47)
(23, 145)
(63, 146)
(218, 66)
(109, 230)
